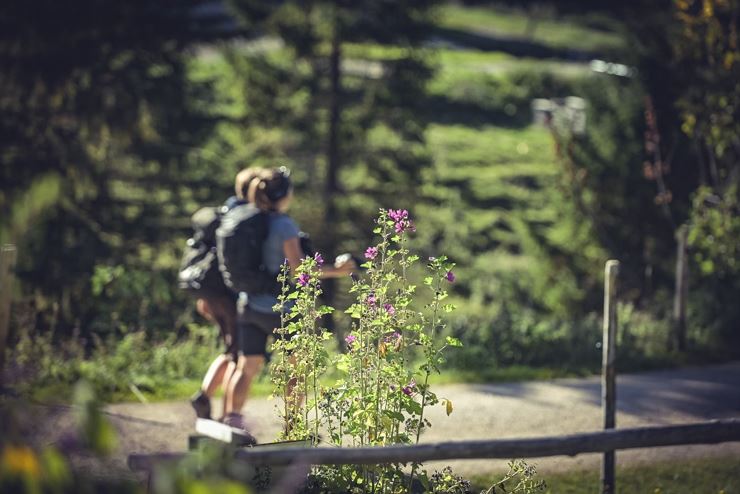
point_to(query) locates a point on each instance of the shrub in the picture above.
(383, 391)
(113, 367)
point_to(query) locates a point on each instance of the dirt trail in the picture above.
(528, 409)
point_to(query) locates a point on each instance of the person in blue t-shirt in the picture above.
(271, 192)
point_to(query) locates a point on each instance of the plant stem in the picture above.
(429, 358)
(429, 354)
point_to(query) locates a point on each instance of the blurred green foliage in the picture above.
(115, 364)
(537, 22)
(715, 232)
(142, 118)
(29, 465)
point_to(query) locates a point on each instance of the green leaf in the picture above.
(395, 415)
(412, 406)
(452, 341)
(324, 309)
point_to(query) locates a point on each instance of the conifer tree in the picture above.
(355, 122)
(97, 132)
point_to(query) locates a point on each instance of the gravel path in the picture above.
(528, 409)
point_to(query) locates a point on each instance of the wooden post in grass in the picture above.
(7, 266)
(682, 290)
(608, 376)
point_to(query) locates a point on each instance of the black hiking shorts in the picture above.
(253, 328)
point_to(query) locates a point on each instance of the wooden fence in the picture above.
(607, 441)
(591, 442)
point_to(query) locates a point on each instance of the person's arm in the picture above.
(293, 253)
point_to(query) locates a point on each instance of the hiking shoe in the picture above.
(236, 421)
(201, 404)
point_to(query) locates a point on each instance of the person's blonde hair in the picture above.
(272, 186)
(243, 180)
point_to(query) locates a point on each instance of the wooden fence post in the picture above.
(608, 376)
(7, 266)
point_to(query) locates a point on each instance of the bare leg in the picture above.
(228, 375)
(241, 380)
(215, 376)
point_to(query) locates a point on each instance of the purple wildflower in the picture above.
(398, 214)
(319, 260)
(450, 276)
(408, 390)
(404, 225)
(372, 300)
(350, 339)
(303, 279)
(371, 252)
(392, 337)
(389, 309)
(401, 219)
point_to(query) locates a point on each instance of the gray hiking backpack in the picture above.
(199, 272)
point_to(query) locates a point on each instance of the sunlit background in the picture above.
(531, 141)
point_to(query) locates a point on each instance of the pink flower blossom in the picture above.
(303, 279)
(389, 309)
(372, 300)
(401, 219)
(319, 260)
(450, 276)
(409, 389)
(371, 252)
(350, 339)
(398, 214)
(404, 225)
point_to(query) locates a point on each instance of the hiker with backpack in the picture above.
(201, 277)
(254, 240)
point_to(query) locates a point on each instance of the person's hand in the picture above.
(345, 263)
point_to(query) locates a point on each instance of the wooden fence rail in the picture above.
(591, 442)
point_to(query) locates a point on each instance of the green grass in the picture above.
(700, 476)
(514, 373)
(459, 149)
(502, 176)
(550, 31)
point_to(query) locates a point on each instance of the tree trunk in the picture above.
(681, 294)
(7, 268)
(332, 168)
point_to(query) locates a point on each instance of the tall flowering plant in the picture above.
(301, 351)
(392, 348)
